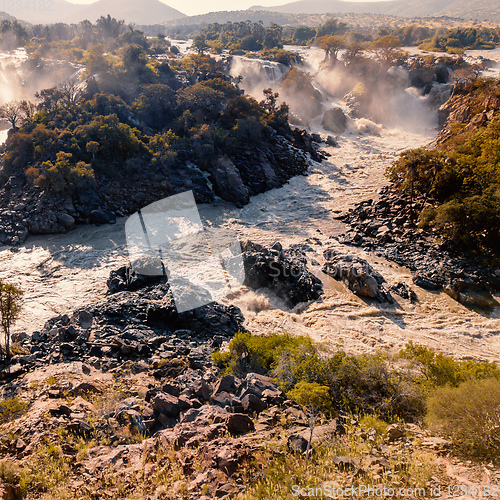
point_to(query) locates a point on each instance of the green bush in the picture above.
(470, 415)
(261, 354)
(437, 370)
(11, 408)
(62, 176)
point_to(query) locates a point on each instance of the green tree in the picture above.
(155, 105)
(10, 310)
(303, 34)
(200, 45)
(388, 49)
(313, 398)
(331, 27)
(331, 45)
(92, 147)
(28, 110)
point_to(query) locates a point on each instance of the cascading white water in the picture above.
(62, 272)
(255, 74)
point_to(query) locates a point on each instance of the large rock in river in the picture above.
(282, 271)
(356, 274)
(335, 121)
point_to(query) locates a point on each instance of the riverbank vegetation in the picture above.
(462, 173)
(133, 115)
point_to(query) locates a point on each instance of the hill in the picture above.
(466, 9)
(150, 12)
(366, 23)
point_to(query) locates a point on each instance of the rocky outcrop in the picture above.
(138, 321)
(469, 108)
(284, 272)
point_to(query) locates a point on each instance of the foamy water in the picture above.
(62, 272)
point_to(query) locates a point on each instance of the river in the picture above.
(62, 272)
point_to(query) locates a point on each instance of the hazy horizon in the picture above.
(196, 7)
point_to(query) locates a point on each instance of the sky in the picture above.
(194, 7)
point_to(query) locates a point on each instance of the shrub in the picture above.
(261, 354)
(62, 176)
(438, 370)
(11, 408)
(470, 415)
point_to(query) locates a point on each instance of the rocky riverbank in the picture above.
(388, 228)
(26, 209)
(136, 332)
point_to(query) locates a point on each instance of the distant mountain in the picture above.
(131, 11)
(488, 10)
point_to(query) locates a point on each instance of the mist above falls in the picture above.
(367, 92)
(21, 77)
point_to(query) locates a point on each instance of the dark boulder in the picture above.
(335, 120)
(356, 274)
(284, 272)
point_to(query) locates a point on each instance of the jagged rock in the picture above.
(426, 283)
(166, 403)
(297, 444)
(404, 291)
(256, 384)
(66, 220)
(239, 423)
(226, 400)
(229, 458)
(60, 410)
(19, 337)
(227, 383)
(85, 387)
(205, 415)
(345, 464)
(228, 183)
(125, 278)
(394, 432)
(198, 389)
(472, 295)
(252, 403)
(331, 141)
(78, 426)
(282, 271)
